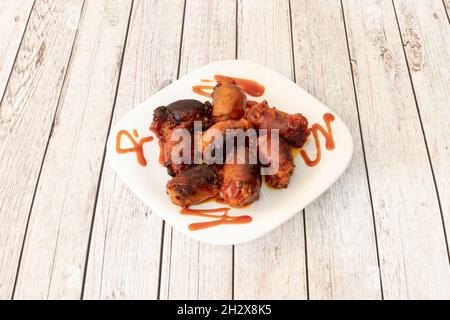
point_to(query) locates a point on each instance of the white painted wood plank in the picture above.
(54, 256)
(342, 253)
(26, 115)
(192, 270)
(124, 257)
(273, 267)
(413, 255)
(13, 20)
(426, 39)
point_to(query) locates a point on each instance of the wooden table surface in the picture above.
(70, 229)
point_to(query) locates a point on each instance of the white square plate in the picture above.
(274, 206)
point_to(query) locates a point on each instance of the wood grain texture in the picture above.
(426, 39)
(124, 257)
(192, 270)
(273, 267)
(340, 237)
(26, 115)
(13, 20)
(55, 250)
(413, 255)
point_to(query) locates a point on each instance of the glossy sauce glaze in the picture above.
(137, 145)
(250, 87)
(224, 218)
(220, 200)
(329, 140)
(162, 156)
(216, 199)
(250, 103)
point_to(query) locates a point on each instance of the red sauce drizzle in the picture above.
(203, 90)
(329, 141)
(220, 200)
(137, 145)
(250, 87)
(206, 213)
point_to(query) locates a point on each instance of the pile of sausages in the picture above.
(237, 181)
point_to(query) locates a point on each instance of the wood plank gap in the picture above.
(161, 253)
(164, 222)
(103, 258)
(45, 153)
(423, 130)
(170, 262)
(61, 93)
(446, 9)
(294, 75)
(17, 53)
(181, 39)
(363, 149)
(306, 254)
(104, 156)
(1, 101)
